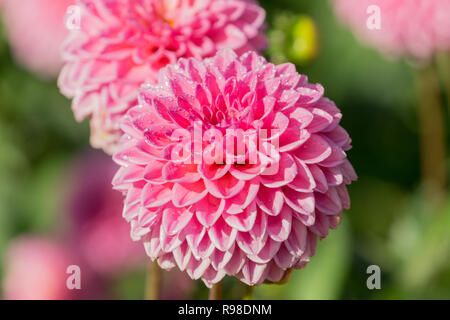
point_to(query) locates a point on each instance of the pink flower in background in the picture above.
(98, 230)
(258, 214)
(415, 28)
(123, 43)
(36, 269)
(36, 30)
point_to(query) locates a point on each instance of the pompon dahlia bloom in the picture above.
(124, 43)
(414, 28)
(35, 30)
(36, 269)
(259, 213)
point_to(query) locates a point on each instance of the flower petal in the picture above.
(225, 187)
(185, 194)
(222, 235)
(242, 221)
(279, 227)
(304, 180)
(154, 195)
(300, 201)
(243, 199)
(270, 200)
(314, 150)
(180, 172)
(287, 170)
(208, 210)
(173, 220)
(329, 202)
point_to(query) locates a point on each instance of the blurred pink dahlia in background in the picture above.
(412, 28)
(36, 270)
(98, 231)
(35, 30)
(123, 43)
(259, 213)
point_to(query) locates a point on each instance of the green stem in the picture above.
(215, 293)
(443, 64)
(154, 281)
(248, 294)
(432, 136)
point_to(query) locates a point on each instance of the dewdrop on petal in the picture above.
(123, 43)
(256, 215)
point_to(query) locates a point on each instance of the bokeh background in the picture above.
(57, 207)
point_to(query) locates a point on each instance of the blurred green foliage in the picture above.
(293, 38)
(389, 224)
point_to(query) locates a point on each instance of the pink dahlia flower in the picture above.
(36, 269)
(415, 28)
(233, 165)
(35, 29)
(123, 43)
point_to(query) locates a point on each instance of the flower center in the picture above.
(175, 12)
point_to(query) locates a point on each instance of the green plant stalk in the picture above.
(248, 294)
(154, 282)
(215, 293)
(443, 64)
(432, 136)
